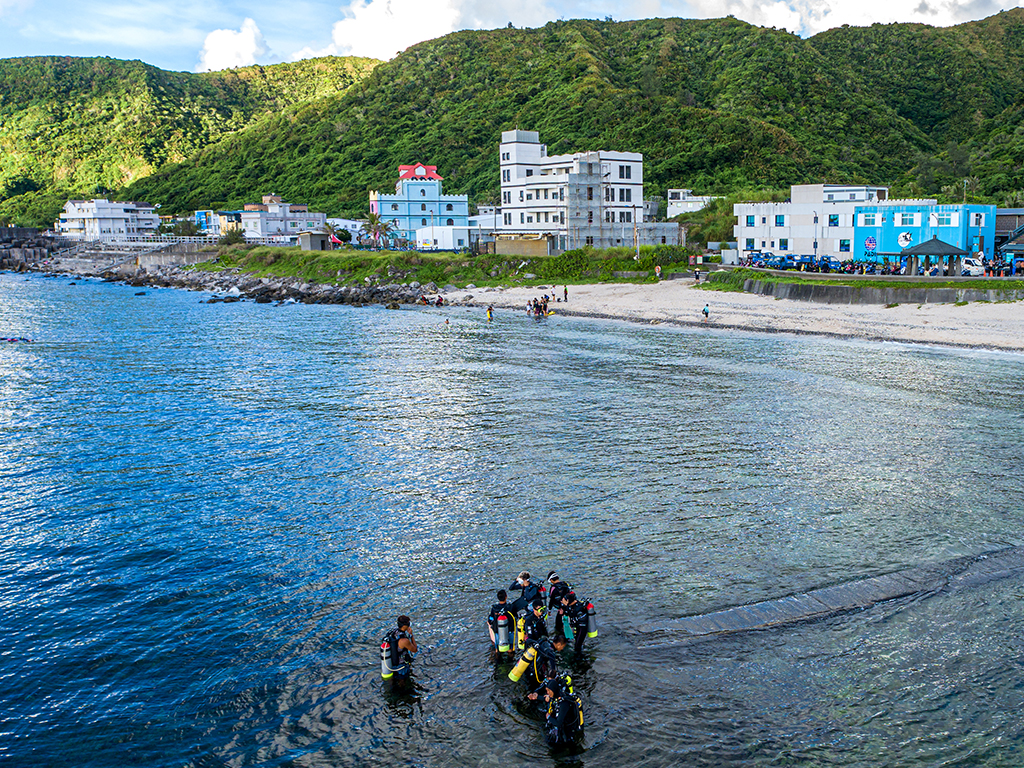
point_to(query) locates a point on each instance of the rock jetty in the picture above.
(231, 285)
(23, 249)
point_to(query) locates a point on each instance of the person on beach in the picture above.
(565, 292)
(696, 275)
(576, 612)
(490, 313)
(706, 311)
(501, 608)
(403, 648)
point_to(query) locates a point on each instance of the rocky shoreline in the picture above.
(232, 285)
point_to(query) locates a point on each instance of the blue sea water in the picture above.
(211, 513)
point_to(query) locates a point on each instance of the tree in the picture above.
(232, 237)
(377, 229)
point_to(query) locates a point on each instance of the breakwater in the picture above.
(23, 249)
(233, 285)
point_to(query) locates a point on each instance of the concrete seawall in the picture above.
(826, 293)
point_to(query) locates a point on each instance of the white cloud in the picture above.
(808, 17)
(383, 28)
(226, 48)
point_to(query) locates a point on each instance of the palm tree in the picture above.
(378, 229)
(331, 231)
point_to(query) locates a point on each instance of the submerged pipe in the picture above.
(948, 576)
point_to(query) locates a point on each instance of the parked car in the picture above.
(972, 267)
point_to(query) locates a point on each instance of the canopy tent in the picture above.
(937, 248)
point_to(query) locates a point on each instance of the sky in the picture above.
(201, 35)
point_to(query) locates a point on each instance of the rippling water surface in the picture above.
(210, 514)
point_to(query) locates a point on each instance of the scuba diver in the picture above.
(582, 620)
(540, 658)
(530, 592)
(397, 650)
(533, 625)
(558, 590)
(563, 724)
(501, 623)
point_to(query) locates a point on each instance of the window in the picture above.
(461, 242)
(449, 207)
(762, 243)
(853, 196)
(750, 221)
(561, 218)
(869, 219)
(508, 219)
(783, 243)
(529, 195)
(979, 219)
(625, 171)
(773, 243)
(625, 195)
(423, 222)
(522, 218)
(590, 217)
(423, 193)
(943, 219)
(529, 219)
(906, 219)
(830, 197)
(423, 206)
(590, 193)
(662, 239)
(561, 194)
(506, 175)
(529, 172)
(294, 223)
(608, 216)
(609, 194)
(546, 219)
(833, 219)
(450, 222)
(520, 195)
(764, 219)
(394, 206)
(844, 246)
(590, 240)
(750, 244)
(780, 220)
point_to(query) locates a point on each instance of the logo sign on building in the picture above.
(870, 244)
(905, 239)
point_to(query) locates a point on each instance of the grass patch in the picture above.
(739, 276)
(350, 266)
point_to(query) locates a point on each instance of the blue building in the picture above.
(418, 202)
(885, 230)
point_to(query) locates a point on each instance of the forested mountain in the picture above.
(71, 126)
(719, 106)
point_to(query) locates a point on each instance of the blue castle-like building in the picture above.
(885, 230)
(419, 202)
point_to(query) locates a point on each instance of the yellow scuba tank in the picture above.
(520, 633)
(523, 664)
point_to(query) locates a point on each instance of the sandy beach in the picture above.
(997, 326)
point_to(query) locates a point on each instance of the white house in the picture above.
(102, 219)
(276, 218)
(818, 220)
(586, 198)
(683, 201)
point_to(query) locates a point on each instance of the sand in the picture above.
(998, 326)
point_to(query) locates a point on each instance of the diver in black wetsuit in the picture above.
(577, 615)
(563, 725)
(499, 608)
(534, 627)
(530, 592)
(559, 589)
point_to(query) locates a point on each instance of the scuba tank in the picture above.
(567, 628)
(591, 620)
(520, 633)
(386, 670)
(523, 664)
(504, 642)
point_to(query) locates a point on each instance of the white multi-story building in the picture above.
(682, 201)
(818, 220)
(276, 218)
(107, 220)
(587, 198)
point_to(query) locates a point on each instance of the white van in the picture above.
(972, 267)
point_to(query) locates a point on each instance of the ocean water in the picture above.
(211, 513)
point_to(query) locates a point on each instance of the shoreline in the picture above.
(978, 325)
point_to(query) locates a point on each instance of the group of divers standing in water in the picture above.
(520, 627)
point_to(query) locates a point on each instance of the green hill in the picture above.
(72, 126)
(719, 106)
